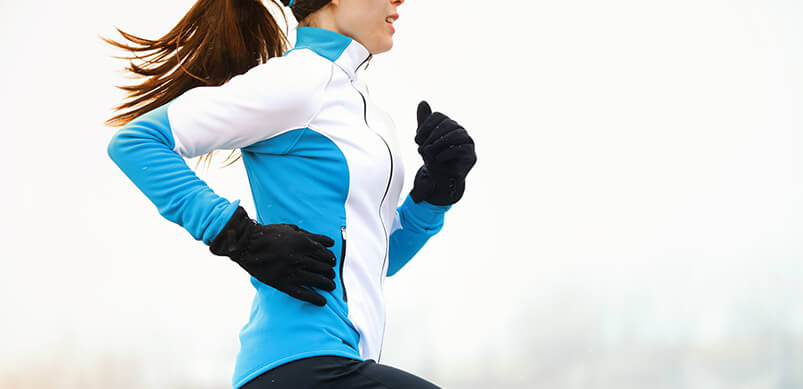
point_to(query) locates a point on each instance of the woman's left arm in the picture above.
(413, 225)
(448, 153)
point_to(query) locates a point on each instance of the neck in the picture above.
(325, 18)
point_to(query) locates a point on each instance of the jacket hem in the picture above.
(253, 374)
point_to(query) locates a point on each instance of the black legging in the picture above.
(330, 372)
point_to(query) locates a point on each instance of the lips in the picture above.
(390, 19)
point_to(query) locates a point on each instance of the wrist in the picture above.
(232, 241)
(424, 209)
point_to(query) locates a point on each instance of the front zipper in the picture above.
(387, 188)
(343, 260)
(390, 179)
(343, 228)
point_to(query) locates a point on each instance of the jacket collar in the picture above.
(344, 51)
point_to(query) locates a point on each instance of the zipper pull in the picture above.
(343, 262)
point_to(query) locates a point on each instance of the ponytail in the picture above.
(215, 41)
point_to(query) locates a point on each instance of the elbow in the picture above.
(133, 140)
(123, 143)
(152, 128)
(120, 141)
(115, 146)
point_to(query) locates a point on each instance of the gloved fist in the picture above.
(283, 256)
(448, 153)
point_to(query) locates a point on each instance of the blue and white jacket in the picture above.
(318, 154)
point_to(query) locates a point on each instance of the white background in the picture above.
(634, 219)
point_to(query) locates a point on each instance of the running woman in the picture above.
(324, 168)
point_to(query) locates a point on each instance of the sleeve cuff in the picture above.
(426, 215)
(220, 222)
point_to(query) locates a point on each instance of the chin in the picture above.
(385, 47)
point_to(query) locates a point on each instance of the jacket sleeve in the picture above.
(269, 99)
(414, 224)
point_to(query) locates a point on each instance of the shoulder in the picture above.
(296, 78)
(298, 71)
(293, 82)
(281, 94)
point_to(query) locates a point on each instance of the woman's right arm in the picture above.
(273, 254)
(143, 149)
(272, 98)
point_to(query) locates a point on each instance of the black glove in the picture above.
(448, 153)
(280, 255)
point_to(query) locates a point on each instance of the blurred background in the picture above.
(634, 219)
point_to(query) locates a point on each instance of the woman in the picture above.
(324, 170)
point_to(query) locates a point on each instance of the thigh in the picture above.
(330, 372)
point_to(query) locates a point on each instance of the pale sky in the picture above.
(639, 187)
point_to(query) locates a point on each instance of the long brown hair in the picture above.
(215, 41)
